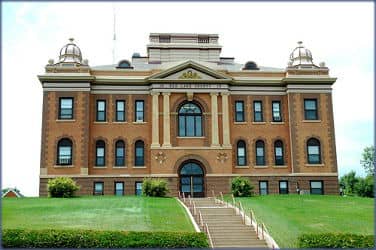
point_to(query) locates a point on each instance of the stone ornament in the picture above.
(190, 75)
(160, 157)
(222, 157)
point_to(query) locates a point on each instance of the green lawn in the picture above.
(128, 213)
(288, 216)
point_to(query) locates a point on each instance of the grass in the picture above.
(129, 213)
(288, 216)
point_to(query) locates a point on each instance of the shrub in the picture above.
(331, 240)
(51, 238)
(154, 187)
(241, 187)
(62, 187)
(364, 187)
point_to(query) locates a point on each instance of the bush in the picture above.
(51, 238)
(154, 187)
(241, 187)
(364, 187)
(331, 240)
(62, 187)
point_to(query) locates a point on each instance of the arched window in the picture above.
(313, 151)
(260, 153)
(119, 153)
(64, 152)
(190, 120)
(278, 153)
(241, 153)
(139, 154)
(100, 153)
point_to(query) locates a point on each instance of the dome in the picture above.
(251, 65)
(70, 53)
(301, 56)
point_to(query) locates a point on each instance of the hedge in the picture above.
(51, 238)
(332, 240)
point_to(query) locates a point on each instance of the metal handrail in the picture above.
(209, 235)
(222, 199)
(183, 197)
(194, 208)
(241, 210)
(213, 194)
(200, 220)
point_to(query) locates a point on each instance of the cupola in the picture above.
(70, 53)
(301, 57)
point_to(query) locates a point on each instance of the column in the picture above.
(166, 120)
(214, 120)
(155, 120)
(225, 120)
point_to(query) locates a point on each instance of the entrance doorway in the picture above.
(192, 180)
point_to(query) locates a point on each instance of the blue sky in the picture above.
(341, 34)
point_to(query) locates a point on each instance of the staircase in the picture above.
(225, 226)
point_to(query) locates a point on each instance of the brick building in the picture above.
(190, 116)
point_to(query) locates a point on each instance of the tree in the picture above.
(241, 187)
(364, 187)
(348, 182)
(368, 160)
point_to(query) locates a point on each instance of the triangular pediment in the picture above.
(189, 71)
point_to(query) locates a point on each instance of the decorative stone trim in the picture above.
(263, 166)
(242, 166)
(63, 166)
(258, 123)
(314, 165)
(277, 123)
(65, 120)
(311, 121)
(280, 166)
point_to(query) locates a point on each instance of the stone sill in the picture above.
(139, 122)
(264, 166)
(279, 166)
(191, 137)
(258, 123)
(277, 123)
(65, 120)
(116, 167)
(314, 165)
(99, 122)
(116, 122)
(311, 121)
(100, 167)
(63, 166)
(242, 167)
(240, 123)
(140, 167)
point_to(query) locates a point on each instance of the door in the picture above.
(192, 180)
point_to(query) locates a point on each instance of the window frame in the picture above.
(116, 153)
(135, 188)
(282, 160)
(99, 111)
(257, 112)
(117, 111)
(239, 112)
(115, 190)
(95, 191)
(319, 149)
(279, 111)
(321, 190)
(280, 189)
(237, 153)
(267, 187)
(60, 108)
(256, 154)
(137, 162)
(306, 116)
(58, 159)
(195, 125)
(96, 153)
(136, 112)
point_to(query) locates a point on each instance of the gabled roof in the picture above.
(15, 191)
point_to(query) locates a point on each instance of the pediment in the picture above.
(189, 71)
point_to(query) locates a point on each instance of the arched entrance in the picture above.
(192, 179)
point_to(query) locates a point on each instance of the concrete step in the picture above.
(233, 237)
(240, 246)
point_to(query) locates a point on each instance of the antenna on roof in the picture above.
(114, 36)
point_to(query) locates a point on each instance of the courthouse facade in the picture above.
(185, 114)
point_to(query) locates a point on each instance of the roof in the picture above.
(15, 191)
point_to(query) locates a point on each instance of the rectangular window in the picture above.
(239, 111)
(283, 187)
(316, 187)
(120, 111)
(66, 108)
(257, 111)
(119, 161)
(276, 109)
(310, 109)
(241, 156)
(260, 159)
(314, 155)
(100, 157)
(263, 185)
(139, 111)
(119, 188)
(138, 188)
(98, 188)
(101, 110)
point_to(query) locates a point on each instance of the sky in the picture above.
(340, 34)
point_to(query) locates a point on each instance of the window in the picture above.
(239, 111)
(164, 39)
(260, 153)
(316, 187)
(257, 109)
(203, 39)
(278, 153)
(64, 152)
(100, 153)
(120, 111)
(119, 188)
(98, 188)
(139, 154)
(241, 153)
(66, 108)
(138, 188)
(263, 186)
(276, 106)
(313, 151)
(139, 111)
(310, 109)
(101, 110)
(190, 120)
(119, 153)
(283, 187)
